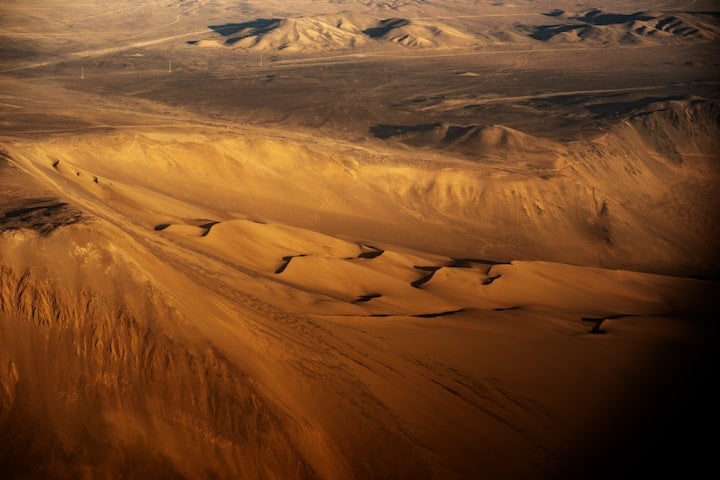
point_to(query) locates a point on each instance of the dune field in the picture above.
(365, 239)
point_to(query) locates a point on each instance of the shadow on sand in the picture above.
(238, 31)
(385, 26)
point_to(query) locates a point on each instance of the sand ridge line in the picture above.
(457, 263)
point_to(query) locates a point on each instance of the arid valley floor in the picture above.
(358, 239)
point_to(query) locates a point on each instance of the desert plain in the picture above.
(358, 239)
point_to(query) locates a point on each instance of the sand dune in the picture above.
(416, 240)
(220, 366)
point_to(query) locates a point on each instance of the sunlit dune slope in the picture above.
(254, 349)
(647, 180)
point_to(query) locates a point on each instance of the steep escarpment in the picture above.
(650, 178)
(659, 167)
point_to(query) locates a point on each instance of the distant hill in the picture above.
(334, 32)
(596, 26)
(348, 30)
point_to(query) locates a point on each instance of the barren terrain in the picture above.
(357, 239)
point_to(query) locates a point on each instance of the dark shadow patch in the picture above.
(283, 266)
(596, 17)
(41, 215)
(438, 314)
(546, 32)
(247, 29)
(161, 227)
(234, 40)
(430, 268)
(505, 309)
(556, 12)
(459, 263)
(385, 26)
(425, 278)
(641, 435)
(366, 298)
(286, 261)
(207, 226)
(371, 252)
(596, 328)
(23, 211)
(456, 132)
(489, 280)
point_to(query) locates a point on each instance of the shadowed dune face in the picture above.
(385, 26)
(329, 239)
(254, 27)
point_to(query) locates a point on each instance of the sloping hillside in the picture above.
(596, 26)
(333, 32)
